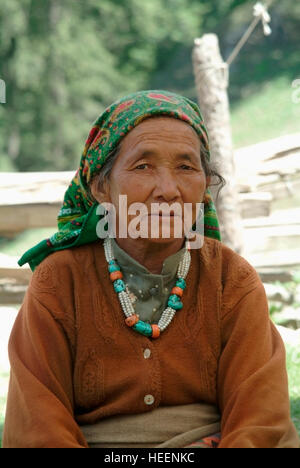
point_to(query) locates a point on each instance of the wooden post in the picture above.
(211, 76)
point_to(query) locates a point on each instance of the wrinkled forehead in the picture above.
(157, 129)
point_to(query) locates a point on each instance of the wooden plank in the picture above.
(282, 259)
(283, 189)
(289, 164)
(252, 183)
(271, 275)
(250, 157)
(290, 216)
(264, 163)
(272, 239)
(10, 271)
(20, 275)
(16, 218)
(33, 187)
(285, 231)
(255, 204)
(12, 294)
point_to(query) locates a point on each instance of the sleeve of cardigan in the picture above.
(39, 411)
(252, 377)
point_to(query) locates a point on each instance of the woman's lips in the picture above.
(161, 215)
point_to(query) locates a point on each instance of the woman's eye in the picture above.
(142, 166)
(185, 167)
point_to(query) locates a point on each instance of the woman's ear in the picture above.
(99, 191)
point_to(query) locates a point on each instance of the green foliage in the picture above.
(265, 113)
(64, 62)
(293, 362)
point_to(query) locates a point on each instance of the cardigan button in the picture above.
(149, 399)
(147, 353)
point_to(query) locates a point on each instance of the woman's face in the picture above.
(159, 162)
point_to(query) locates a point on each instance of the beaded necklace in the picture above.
(174, 301)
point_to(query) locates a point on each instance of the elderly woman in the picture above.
(140, 340)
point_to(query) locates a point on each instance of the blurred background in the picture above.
(63, 62)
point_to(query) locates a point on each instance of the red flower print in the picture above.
(92, 134)
(101, 138)
(162, 97)
(183, 116)
(120, 108)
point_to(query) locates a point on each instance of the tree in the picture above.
(64, 61)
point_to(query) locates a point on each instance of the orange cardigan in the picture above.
(74, 361)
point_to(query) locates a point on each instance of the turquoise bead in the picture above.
(112, 268)
(143, 328)
(112, 262)
(181, 283)
(175, 302)
(119, 285)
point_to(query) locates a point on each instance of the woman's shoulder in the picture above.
(231, 266)
(64, 265)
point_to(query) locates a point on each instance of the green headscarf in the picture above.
(77, 218)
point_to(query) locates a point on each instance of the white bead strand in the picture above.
(124, 298)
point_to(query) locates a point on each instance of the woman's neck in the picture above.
(150, 254)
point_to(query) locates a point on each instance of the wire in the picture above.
(261, 14)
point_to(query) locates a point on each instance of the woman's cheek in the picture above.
(194, 188)
(138, 187)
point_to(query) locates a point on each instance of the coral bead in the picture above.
(155, 331)
(132, 320)
(116, 275)
(178, 291)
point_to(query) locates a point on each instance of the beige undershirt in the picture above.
(164, 427)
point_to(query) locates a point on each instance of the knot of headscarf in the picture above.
(77, 218)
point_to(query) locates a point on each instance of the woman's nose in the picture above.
(166, 186)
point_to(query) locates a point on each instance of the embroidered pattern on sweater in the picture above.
(42, 279)
(90, 377)
(105, 318)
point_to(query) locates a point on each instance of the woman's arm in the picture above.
(39, 410)
(252, 377)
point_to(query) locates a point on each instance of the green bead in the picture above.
(112, 268)
(175, 302)
(181, 283)
(143, 328)
(119, 285)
